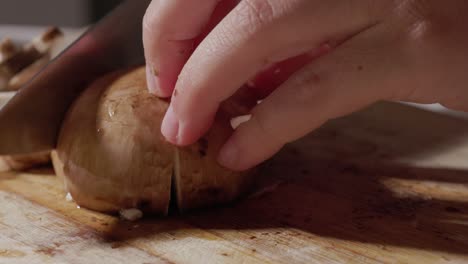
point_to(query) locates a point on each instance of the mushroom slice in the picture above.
(47, 41)
(26, 75)
(24, 162)
(17, 67)
(7, 49)
(38, 49)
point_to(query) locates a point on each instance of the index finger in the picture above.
(255, 34)
(170, 32)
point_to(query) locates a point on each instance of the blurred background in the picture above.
(63, 13)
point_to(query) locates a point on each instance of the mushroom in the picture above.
(24, 76)
(17, 67)
(24, 162)
(20, 162)
(112, 156)
(16, 63)
(7, 49)
(28, 60)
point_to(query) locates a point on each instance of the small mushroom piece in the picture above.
(36, 51)
(112, 156)
(20, 162)
(7, 49)
(16, 63)
(26, 75)
(47, 41)
(24, 162)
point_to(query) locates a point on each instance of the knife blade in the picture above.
(31, 120)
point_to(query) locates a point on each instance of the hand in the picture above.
(412, 50)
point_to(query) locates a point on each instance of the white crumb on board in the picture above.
(78, 207)
(237, 121)
(69, 197)
(132, 214)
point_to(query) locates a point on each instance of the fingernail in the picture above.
(170, 126)
(151, 78)
(229, 155)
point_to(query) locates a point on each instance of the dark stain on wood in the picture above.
(48, 251)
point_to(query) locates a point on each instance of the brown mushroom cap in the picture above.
(112, 155)
(110, 149)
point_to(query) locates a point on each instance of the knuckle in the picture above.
(254, 15)
(307, 86)
(259, 12)
(223, 39)
(429, 21)
(417, 8)
(148, 23)
(265, 131)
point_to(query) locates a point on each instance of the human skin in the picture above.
(336, 57)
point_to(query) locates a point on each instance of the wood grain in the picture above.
(386, 185)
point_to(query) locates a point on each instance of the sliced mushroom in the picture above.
(24, 76)
(39, 48)
(24, 162)
(112, 156)
(47, 41)
(17, 67)
(7, 49)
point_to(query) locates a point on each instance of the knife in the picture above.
(31, 120)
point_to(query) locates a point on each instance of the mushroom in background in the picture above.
(18, 65)
(7, 50)
(21, 64)
(24, 162)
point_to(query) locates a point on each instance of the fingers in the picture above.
(268, 80)
(255, 34)
(362, 71)
(170, 29)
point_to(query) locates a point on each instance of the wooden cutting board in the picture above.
(386, 185)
